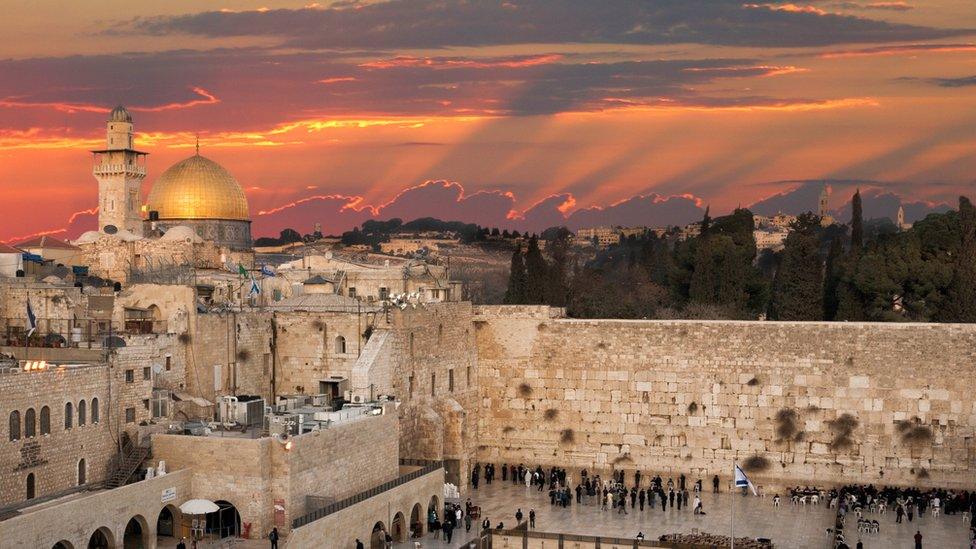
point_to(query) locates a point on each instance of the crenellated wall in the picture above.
(819, 402)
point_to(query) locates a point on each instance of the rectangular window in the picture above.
(352, 292)
(146, 373)
(411, 385)
(130, 415)
(145, 403)
(130, 376)
(384, 293)
(169, 363)
(433, 384)
(450, 380)
(467, 376)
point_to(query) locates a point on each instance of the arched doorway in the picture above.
(398, 529)
(417, 521)
(224, 523)
(378, 538)
(63, 544)
(434, 512)
(101, 539)
(136, 534)
(168, 523)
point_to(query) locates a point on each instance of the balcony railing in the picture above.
(428, 467)
(63, 333)
(108, 169)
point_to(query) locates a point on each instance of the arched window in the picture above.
(82, 471)
(82, 412)
(45, 420)
(30, 423)
(340, 345)
(30, 486)
(69, 412)
(14, 425)
(94, 410)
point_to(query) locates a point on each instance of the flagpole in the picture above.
(732, 509)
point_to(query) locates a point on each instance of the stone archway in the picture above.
(63, 544)
(434, 512)
(417, 520)
(377, 539)
(398, 528)
(226, 522)
(136, 534)
(101, 539)
(168, 523)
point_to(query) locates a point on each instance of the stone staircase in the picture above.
(132, 458)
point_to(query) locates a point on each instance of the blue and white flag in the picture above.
(266, 270)
(255, 289)
(31, 320)
(741, 480)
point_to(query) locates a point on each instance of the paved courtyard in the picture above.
(788, 526)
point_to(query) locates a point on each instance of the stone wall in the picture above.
(340, 530)
(256, 474)
(807, 402)
(53, 458)
(309, 349)
(77, 518)
(230, 353)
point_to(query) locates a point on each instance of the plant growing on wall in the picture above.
(842, 429)
(567, 436)
(550, 414)
(524, 390)
(755, 464)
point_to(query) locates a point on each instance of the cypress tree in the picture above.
(535, 273)
(557, 288)
(960, 305)
(857, 223)
(798, 285)
(832, 279)
(515, 294)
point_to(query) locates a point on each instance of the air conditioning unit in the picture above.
(358, 399)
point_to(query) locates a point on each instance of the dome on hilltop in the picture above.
(198, 188)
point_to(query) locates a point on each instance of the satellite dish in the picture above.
(157, 368)
(110, 229)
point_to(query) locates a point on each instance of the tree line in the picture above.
(861, 271)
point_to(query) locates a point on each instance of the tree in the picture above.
(516, 292)
(535, 273)
(798, 284)
(832, 279)
(557, 286)
(961, 303)
(857, 223)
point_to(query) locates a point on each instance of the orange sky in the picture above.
(595, 105)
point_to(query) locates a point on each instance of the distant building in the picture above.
(770, 240)
(825, 218)
(900, 219)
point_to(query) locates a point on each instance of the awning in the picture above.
(199, 507)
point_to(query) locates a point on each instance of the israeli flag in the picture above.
(31, 320)
(741, 480)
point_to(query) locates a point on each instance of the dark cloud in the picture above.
(441, 23)
(954, 82)
(228, 90)
(876, 6)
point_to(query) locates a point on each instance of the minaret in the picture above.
(822, 211)
(119, 170)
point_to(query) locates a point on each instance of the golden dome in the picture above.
(198, 188)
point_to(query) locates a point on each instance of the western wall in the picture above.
(796, 403)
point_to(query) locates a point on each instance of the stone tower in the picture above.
(901, 218)
(822, 210)
(119, 169)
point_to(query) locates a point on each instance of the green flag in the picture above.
(242, 270)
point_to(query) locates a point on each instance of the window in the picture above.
(384, 293)
(130, 415)
(411, 344)
(467, 376)
(146, 373)
(45, 420)
(145, 403)
(14, 425)
(450, 380)
(411, 385)
(82, 412)
(130, 376)
(340, 345)
(169, 364)
(440, 333)
(30, 486)
(30, 423)
(352, 292)
(94, 408)
(82, 472)
(433, 384)
(69, 412)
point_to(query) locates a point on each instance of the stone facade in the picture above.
(53, 457)
(253, 474)
(824, 402)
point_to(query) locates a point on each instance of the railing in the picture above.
(103, 169)
(427, 467)
(73, 333)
